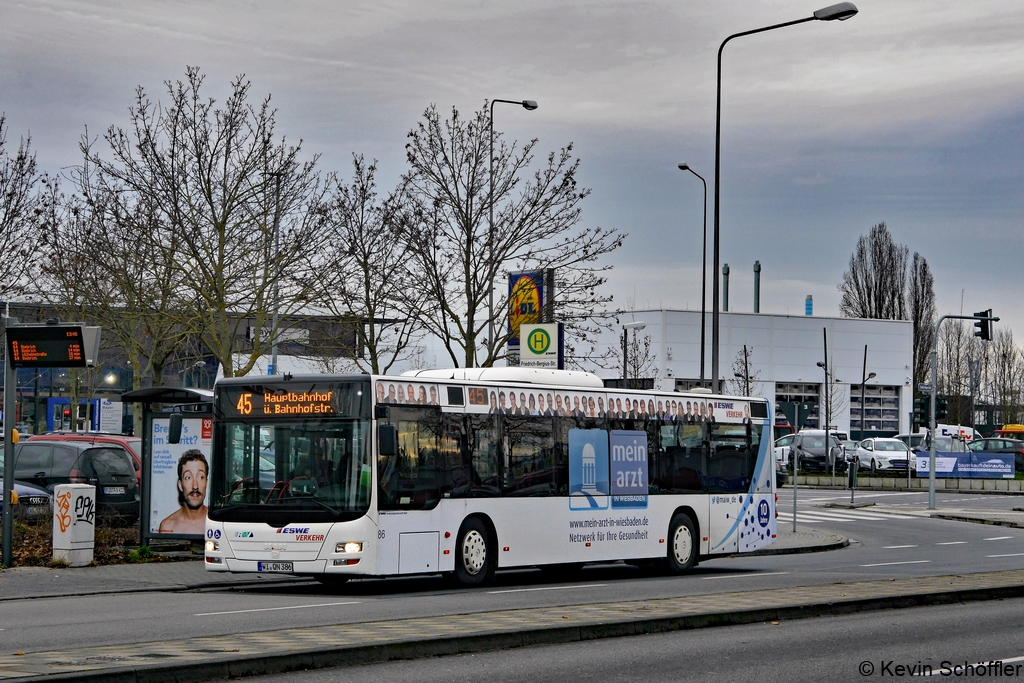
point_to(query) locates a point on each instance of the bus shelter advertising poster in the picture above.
(179, 476)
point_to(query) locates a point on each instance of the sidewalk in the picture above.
(270, 652)
(22, 583)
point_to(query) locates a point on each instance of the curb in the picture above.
(318, 658)
(799, 550)
(977, 520)
(168, 588)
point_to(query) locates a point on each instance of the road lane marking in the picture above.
(943, 671)
(275, 609)
(547, 588)
(1007, 555)
(893, 547)
(997, 538)
(741, 576)
(886, 564)
(952, 543)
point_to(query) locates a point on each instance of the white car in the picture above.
(883, 454)
(781, 449)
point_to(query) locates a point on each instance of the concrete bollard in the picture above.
(74, 523)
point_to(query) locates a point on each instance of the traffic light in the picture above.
(922, 410)
(941, 408)
(984, 326)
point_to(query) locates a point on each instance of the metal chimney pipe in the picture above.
(757, 286)
(725, 287)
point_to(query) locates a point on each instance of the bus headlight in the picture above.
(212, 547)
(349, 547)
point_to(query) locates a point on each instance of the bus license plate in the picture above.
(113, 490)
(273, 566)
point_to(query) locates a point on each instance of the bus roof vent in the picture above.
(573, 378)
(700, 390)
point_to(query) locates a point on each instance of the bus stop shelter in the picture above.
(159, 456)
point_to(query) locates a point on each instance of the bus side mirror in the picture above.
(387, 440)
(174, 430)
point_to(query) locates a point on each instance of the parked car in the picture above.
(47, 463)
(881, 453)
(133, 445)
(915, 442)
(781, 447)
(849, 449)
(809, 449)
(1001, 445)
(30, 502)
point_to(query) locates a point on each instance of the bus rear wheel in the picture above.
(682, 549)
(474, 553)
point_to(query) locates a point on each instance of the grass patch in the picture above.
(33, 545)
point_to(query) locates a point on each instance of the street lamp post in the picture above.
(842, 11)
(703, 270)
(528, 105)
(639, 325)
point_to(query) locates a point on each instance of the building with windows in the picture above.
(783, 352)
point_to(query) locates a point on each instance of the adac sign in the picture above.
(526, 301)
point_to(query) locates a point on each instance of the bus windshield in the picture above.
(316, 470)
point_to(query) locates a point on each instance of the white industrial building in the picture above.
(784, 351)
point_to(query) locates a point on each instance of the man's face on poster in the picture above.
(193, 484)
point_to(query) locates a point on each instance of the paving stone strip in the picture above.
(218, 657)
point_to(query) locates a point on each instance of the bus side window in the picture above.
(733, 456)
(454, 457)
(484, 457)
(682, 468)
(529, 457)
(414, 481)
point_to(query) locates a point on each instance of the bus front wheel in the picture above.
(474, 554)
(682, 550)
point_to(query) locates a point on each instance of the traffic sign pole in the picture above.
(10, 390)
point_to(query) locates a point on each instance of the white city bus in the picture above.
(467, 471)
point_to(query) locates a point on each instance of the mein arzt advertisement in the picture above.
(179, 476)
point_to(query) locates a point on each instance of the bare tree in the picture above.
(642, 361)
(364, 270)
(957, 346)
(1006, 377)
(20, 214)
(874, 285)
(921, 305)
(460, 259)
(217, 182)
(745, 379)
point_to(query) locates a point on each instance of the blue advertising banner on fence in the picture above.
(629, 469)
(968, 465)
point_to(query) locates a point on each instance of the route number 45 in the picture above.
(244, 405)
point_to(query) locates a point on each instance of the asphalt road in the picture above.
(862, 647)
(882, 546)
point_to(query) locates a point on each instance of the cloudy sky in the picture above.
(910, 113)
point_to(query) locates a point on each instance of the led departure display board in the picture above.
(46, 346)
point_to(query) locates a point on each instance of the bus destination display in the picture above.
(256, 401)
(49, 346)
